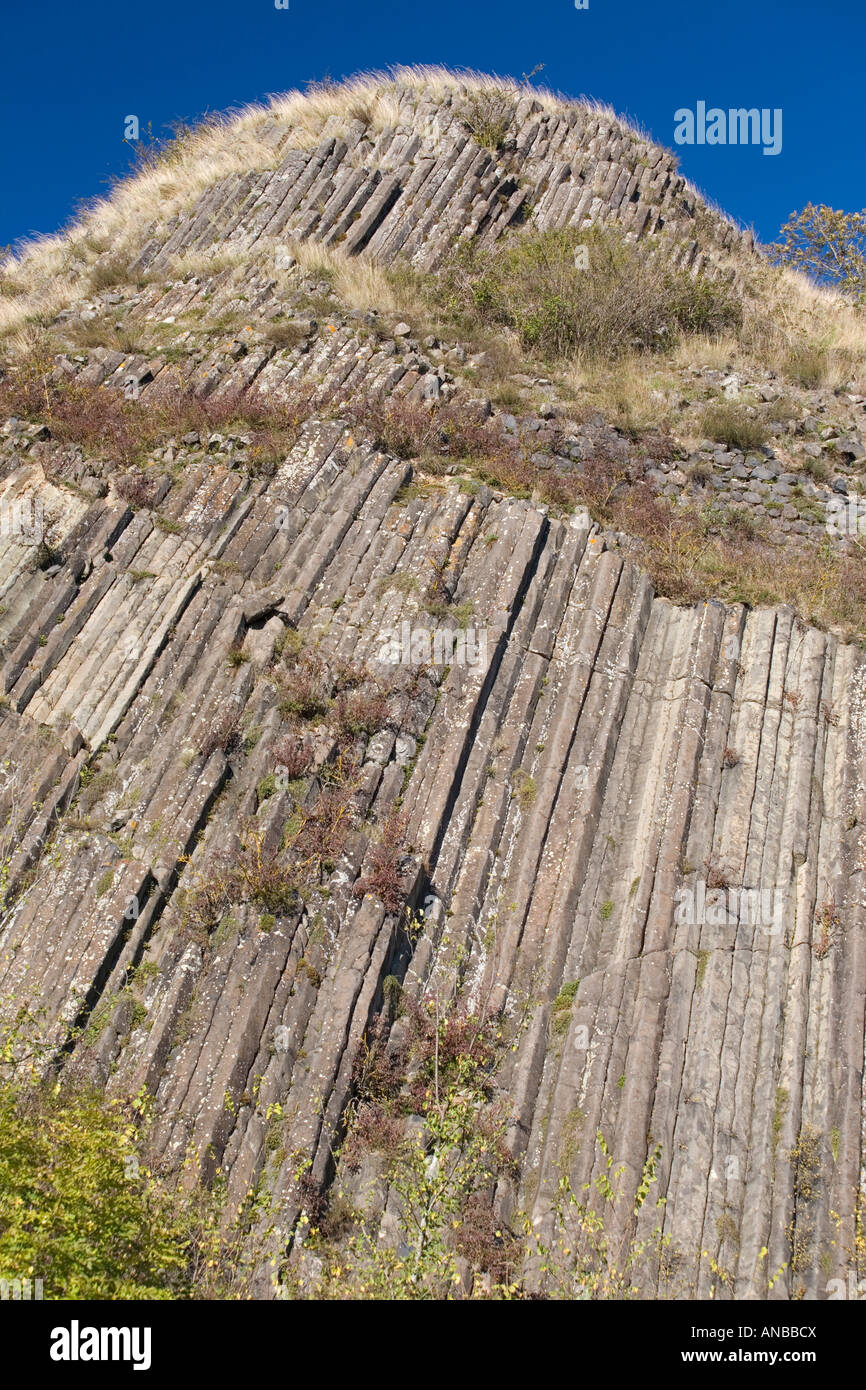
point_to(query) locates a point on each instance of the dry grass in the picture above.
(633, 394)
(693, 555)
(50, 272)
(108, 426)
(793, 325)
(812, 337)
(214, 260)
(720, 354)
(357, 281)
(735, 424)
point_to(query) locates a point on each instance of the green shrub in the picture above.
(488, 117)
(77, 1207)
(627, 299)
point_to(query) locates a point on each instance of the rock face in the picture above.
(655, 813)
(424, 180)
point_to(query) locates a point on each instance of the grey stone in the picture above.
(405, 749)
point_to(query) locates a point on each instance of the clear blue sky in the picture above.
(73, 71)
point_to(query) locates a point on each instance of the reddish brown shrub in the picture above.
(374, 1130)
(716, 877)
(484, 1241)
(462, 1036)
(135, 489)
(348, 676)
(292, 753)
(304, 687)
(311, 1198)
(221, 732)
(383, 878)
(326, 828)
(108, 425)
(355, 713)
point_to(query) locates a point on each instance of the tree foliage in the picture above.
(79, 1207)
(827, 244)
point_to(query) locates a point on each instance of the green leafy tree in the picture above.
(80, 1209)
(827, 244)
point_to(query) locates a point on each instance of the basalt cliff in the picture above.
(277, 861)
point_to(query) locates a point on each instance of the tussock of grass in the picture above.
(632, 393)
(737, 425)
(357, 282)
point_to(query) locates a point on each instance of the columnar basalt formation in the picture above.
(657, 809)
(414, 187)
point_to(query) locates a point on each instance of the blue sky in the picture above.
(74, 71)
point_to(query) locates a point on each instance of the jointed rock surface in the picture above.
(609, 753)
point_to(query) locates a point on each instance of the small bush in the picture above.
(807, 364)
(260, 876)
(135, 489)
(732, 424)
(266, 788)
(383, 877)
(304, 688)
(108, 273)
(488, 117)
(255, 875)
(625, 300)
(524, 788)
(222, 733)
(284, 333)
(355, 713)
(325, 828)
(292, 754)
(374, 1131)
(827, 924)
(485, 1241)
